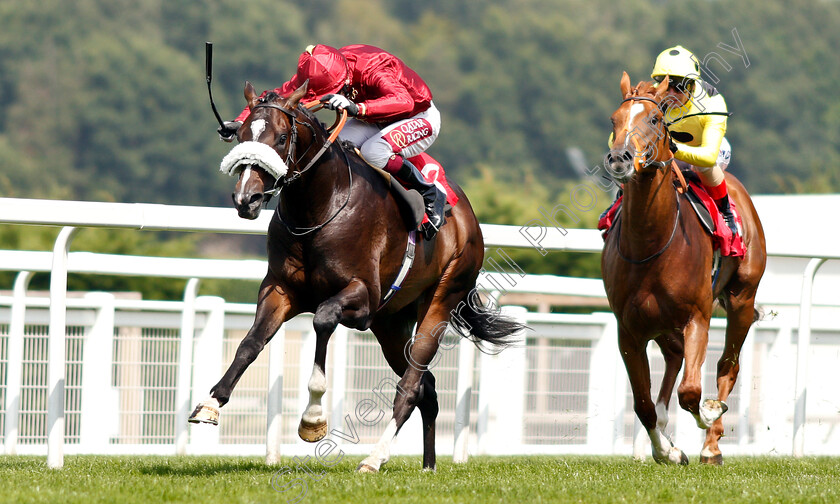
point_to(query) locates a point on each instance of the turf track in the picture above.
(228, 480)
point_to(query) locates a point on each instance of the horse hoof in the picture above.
(675, 456)
(204, 413)
(710, 411)
(715, 460)
(364, 468)
(312, 433)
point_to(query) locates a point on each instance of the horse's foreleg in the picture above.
(351, 307)
(696, 338)
(273, 308)
(672, 351)
(638, 371)
(738, 320)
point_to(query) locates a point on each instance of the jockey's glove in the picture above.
(340, 102)
(228, 131)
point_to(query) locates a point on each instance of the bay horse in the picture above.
(656, 266)
(336, 242)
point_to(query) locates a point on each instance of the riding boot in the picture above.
(433, 198)
(726, 211)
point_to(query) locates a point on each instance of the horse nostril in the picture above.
(255, 198)
(626, 156)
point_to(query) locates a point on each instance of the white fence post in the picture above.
(100, 403)
(602, 409)
(183, 402)
(56, 367)
(14, 360)
(207, 367)
(487, 380)
(463, 399)
(512, 367)
(274, 406)
(745, 387)
(803, 348)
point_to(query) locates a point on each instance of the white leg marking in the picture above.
(257, 128)
(661, 416)
(382, 451)
(710, 410)
(212, 401)
(663, 450)
(314, 413)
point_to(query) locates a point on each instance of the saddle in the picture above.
(410, 201)
(706, 210)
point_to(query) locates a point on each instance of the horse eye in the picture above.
(654, 121)
(282, 139)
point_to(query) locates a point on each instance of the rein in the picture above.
(652, 256)
(279, 184)
(659, 165)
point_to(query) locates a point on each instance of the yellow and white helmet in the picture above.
(676, 61)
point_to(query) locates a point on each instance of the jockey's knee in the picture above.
(376, 152)
(711, 176)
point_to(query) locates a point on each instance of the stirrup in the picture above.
(729, 219)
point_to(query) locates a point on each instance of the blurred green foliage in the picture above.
(106, 100)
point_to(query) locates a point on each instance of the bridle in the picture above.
(659, 165)
(284, 181)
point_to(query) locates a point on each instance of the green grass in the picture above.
(229, 480)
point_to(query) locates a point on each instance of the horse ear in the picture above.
(250, 95)
(661, 89)
(625, 85)
(298, 94)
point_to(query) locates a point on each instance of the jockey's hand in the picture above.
(228, 131)
(672, 146)
(340, 102)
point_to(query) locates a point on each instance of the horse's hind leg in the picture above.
(350, 307)
(429, 409)
(635, 359)
(739, 318)
(273, 308)
(416, 388)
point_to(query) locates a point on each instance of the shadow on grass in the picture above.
(199, 466)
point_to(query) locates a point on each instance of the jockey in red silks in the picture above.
(393, 117)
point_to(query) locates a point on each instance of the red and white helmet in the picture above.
(325, 67)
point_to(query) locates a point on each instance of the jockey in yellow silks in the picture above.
(696, 115)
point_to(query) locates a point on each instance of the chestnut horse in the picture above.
(336, 244)
(656, 265)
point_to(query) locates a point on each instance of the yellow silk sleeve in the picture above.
(706, 153)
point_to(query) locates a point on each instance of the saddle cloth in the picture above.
(708, 213)
(433, 172)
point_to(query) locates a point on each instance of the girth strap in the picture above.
(408, 261)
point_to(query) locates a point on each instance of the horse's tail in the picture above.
(491, 331)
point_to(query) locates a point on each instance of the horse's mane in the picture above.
(272, 96)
